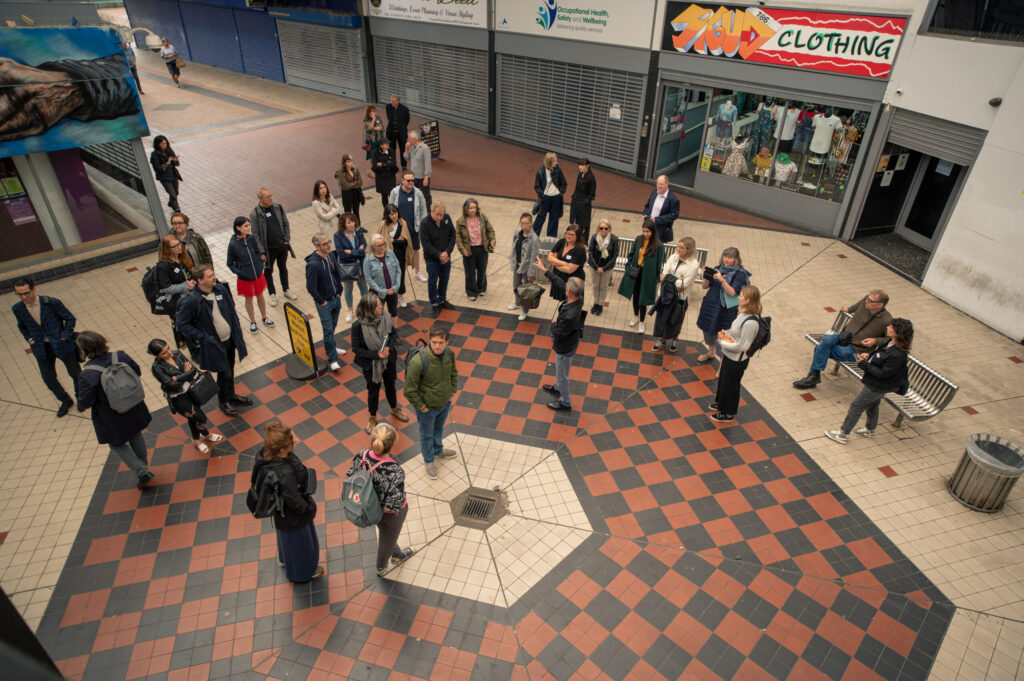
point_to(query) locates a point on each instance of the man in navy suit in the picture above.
(398, 126)
(663, 207)
(47, 326)
(208, 319)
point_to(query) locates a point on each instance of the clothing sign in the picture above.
(841, 43)
(610, 22)
(453, 12)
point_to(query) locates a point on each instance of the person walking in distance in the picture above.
(398, 126)
(207, 317)
(430, 392)
(582, 202)
(273, 236)
(412, 206)
(419, 164)
(122, 430)
(389, 484)
(437, 234)
(48, 327)
(170, 57)
(324, 286)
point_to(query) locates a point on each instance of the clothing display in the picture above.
(789, 123)
(785, 169)
(821, 142)
(736, 164)
(779, 116)
(804, 131)
(761, 132)
(727, 113)
(843, 140)
(763, 163)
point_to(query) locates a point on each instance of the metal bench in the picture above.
(626, 243)
(929, 391)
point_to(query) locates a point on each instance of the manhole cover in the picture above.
(479, 508)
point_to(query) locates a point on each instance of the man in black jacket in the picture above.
(583, 199)
(437, 237)
(566, 329)
(324, 285)
(398, 126)
(273, 235)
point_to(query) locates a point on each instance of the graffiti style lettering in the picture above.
(723, 32)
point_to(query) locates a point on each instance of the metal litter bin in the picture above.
(987, 472)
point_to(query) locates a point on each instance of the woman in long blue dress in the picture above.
(719, 307)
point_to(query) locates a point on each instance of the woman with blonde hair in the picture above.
(298, 547)
(389, 484)
(601, 256)
(734, 344)
(683, 267)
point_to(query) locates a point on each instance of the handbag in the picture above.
(536, 207)
(362, 197)
(632, 271)
(204, 388)
(179, 62)
(348, 271)
(366, 148)
(529, 294)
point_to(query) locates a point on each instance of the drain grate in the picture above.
(479, 508)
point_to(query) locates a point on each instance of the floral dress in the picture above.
(373, 134)
(736, 164)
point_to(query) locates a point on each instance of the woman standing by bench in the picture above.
(885, 371)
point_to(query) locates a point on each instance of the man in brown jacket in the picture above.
(867, 328)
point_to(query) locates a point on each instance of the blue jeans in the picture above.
(562, 365)
(347, 286)
(437, 281)
(431, 430)
(827, 349)
(329, 321)
(550, 208)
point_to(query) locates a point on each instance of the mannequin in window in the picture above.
(727, 113)
(736, 164)
(763, 164)
(804, 131)
(761, 132)
(785, 169)
(824, 126)
(843, 140)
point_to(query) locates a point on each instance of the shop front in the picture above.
(769, 110)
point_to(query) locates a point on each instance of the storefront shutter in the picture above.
(936, 137)
(161, 17)
(434, 80)
(324, 58)
(211, 35)
(257, 39)
(571, 108)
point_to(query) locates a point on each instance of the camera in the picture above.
(709, 273)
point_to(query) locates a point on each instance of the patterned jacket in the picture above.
(388, 480)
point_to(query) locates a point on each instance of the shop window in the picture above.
(110, 197)
(1001, 20)
(803, 147)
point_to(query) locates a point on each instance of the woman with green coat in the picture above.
(640, 282)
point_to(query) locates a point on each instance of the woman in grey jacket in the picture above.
(525, 246)
(734, 344)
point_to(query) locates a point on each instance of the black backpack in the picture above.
(264, 497)
(763, 336)
(158, 304)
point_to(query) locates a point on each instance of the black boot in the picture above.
(809, 381)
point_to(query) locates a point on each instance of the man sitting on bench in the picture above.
(867, 328)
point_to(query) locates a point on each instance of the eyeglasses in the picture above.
(407, 180)
(604, 229)
(874, 302)
(177, 222)
(324, 243)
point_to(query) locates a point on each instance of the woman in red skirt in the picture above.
(246, 260)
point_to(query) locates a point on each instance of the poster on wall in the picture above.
(887, 178)
(65, 88)
(611, 22)
(901, 161)
(455, 12)
(850, 44)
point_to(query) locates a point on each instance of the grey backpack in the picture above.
(120, 384)
(359, 500)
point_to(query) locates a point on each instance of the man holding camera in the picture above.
(865, 330)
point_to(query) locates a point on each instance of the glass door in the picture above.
(936, 185)
(681, 123)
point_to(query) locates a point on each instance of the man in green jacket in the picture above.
(430, 393)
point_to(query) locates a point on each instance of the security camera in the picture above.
(899, 91)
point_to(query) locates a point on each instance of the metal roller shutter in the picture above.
(322, 58)
(436, 80)
(570, 108)
(257, 39)
(161, 17)
(211, 35)
(936, 137)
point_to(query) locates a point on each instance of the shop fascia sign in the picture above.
(850, 44)
(454, 12)
(611, 22)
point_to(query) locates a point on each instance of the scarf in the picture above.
(374, 333)
(604, 245)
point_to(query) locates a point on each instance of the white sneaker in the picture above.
(349, 316)
(642, 327)
(334, 366)
(512, 306)
(341, 351)
(422, 277)
(863, 432)
(401, 301)
(837, 435)
(273, 300)
(290, 296)
(634, 321)
(522, 316)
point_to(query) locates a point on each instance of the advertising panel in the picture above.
(611, 22)
(472, 13)
(840, 43)
(63, 88)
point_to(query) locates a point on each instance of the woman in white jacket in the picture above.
(684, 267)
(734, 358)
(326, 208)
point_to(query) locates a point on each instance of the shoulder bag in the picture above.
(204, 388)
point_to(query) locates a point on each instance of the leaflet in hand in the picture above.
(725, 337)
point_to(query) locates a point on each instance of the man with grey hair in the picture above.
(566, 329)
(324, 284)
(419, 164)
(273, 235)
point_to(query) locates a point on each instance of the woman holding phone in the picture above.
(373, 343)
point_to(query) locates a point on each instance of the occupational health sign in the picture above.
(300, 335)
(62, 88)
(841, 43)
(455, 12)
(612, 22)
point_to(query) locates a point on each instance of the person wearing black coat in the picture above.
(885, 371)
(165, 166)
(566, 330)
(383, 167)
(374, 344)
(175, 374)
(583, 198)
(298, 547)
(218, 337)
(601, 255)
(670, 309)
(398, 125)
(122, 431)
(549, 185)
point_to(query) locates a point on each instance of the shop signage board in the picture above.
(430, 134)
(850, 44)
(302, 345)
(611, 22)
(472, 13)
(69, 88)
